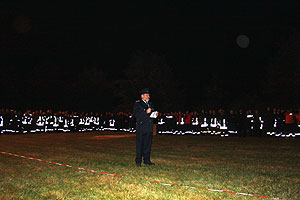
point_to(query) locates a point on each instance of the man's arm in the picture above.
(152, 109)
(139, 111)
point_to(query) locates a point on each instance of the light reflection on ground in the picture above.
(104, 137)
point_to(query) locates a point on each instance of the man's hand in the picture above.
(148, 110)
(156, 114)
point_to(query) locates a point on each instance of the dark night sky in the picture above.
(196, 37)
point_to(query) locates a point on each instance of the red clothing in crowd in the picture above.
(298, 118)
(289, 118)
(179, 118)
(187, 118)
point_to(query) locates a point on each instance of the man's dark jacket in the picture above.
(143, 121)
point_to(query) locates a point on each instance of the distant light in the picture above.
(243, 41)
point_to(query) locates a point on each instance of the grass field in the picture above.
(261, 166)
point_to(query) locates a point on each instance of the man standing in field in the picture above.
(144, 114)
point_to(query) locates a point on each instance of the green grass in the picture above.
(261, 166)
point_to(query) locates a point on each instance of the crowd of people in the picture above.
(240, 122)
(12, 121)
(268, 122)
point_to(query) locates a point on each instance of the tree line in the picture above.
(91, 87)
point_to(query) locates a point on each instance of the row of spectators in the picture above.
(12, 121)
(268, 122)
(275, 122)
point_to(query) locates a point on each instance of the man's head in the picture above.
(145, 96)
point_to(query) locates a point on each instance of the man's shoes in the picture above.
(149, 163)
(138, 164)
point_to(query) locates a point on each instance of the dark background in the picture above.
(96, 56)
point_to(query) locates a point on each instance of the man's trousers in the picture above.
(143, 146)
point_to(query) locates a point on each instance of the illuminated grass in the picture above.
(261, 166)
